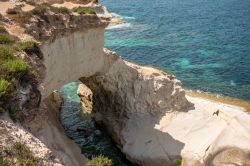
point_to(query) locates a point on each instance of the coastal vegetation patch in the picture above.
(99, 161)
(6, 39)
(3, 30)
(14, 10)
(17, 154)
(14, 71)
(3, 87)
(178, 163)
(23, 17)
(44, 7)
(83, 10)
(30, 47)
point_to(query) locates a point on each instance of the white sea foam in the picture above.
(119, 26)
(115, 15)
(129, 18)
(122, 17)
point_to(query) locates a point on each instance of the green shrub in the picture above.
(22, 152)
(15, 66)
(3, 30)
(40, 9)
(6, 39)
(99, 161)
(18, 154)
(82, 10)
(2, 110)
(4, 84)
(178, 163)
(62, 10)
(14, 10)
(14, 115)
(28, 30)
(6, 52)
(26, 163)
(30, 47)
(6, 162)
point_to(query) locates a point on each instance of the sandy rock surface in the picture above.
(12, 133)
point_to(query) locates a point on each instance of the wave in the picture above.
(119, 26)
(115, 15)
(122, 17)
(129, 18)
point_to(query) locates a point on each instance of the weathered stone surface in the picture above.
(11, 133)
(129, 100)
(147, 114)
(49, 26)
(86, 96)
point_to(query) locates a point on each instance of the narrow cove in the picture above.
(82, 129)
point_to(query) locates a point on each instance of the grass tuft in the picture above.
(22, 151)
(14, 115)
(82, 10)
(39, 10)
(4, 84)
(30, 47)
(3, 30)
(2, 110)
(44, 7)
(178, 163)
(14, 10)
(99, 161)
(6, 52)
(15, 66)
(18, 154)
(58, 10)
(6, 39)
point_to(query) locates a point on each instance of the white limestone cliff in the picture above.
(145, 110)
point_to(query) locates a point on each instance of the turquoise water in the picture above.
(81, 128)
(205, 43)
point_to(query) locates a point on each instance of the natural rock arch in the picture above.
(134, 103)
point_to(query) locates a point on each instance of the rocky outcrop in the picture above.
(82, 49)
(86, 97)
(49, 26)
(146, 112)
(129, 100)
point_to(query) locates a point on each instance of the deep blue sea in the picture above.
(205, 43)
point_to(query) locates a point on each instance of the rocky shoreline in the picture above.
(145, 110)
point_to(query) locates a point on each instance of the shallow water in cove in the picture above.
(205, 43)
(84, 131)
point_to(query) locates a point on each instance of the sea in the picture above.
(205, 43)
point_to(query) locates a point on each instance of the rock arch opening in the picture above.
(76, 119)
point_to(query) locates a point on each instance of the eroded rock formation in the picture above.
(145, 110)
(127, 97)
(147, 114)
